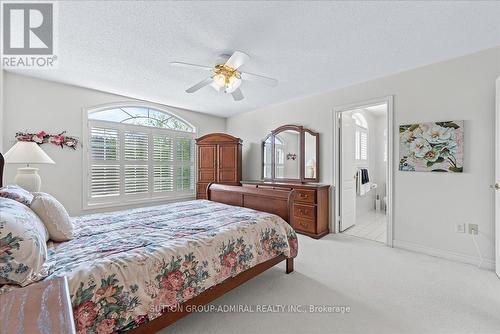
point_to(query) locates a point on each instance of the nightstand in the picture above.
(42, 307)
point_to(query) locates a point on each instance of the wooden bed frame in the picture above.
(268, 200)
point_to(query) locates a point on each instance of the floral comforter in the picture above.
(128, 267)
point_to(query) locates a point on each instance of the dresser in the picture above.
(310, 205)
(219, 160)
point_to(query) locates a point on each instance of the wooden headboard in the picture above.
(273, 201)
(2, 163)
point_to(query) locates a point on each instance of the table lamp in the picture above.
(24, 152)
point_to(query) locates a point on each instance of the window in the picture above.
(361, 138)
(137, 154)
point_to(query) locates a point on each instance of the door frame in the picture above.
(497, 177)
(336, 160)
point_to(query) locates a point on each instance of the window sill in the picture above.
(135, 203)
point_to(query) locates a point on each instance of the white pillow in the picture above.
(54, 216)
(23, 247)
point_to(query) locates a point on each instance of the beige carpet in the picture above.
(387, 290)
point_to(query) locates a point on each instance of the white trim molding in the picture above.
(444, 254)
(335, 161)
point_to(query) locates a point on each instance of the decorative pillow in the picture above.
(54, 216)
(17, 194)
(23, 247)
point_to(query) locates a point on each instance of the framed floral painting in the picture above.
(431, 147)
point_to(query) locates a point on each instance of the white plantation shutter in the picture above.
(163, 170)
(363, 146)
(184, 158)
(136, 149)
(104, 144)
(136, 146)
(105, 180)
(163, 178)
(104, 149)
(136, 179)
(129, 163)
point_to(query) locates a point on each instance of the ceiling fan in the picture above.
(226, 77)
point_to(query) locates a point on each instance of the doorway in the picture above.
(362, 166)
(496, 186)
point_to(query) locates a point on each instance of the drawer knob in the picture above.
(303, 224)
(303, 195)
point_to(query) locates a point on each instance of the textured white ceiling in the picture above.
(310, 47)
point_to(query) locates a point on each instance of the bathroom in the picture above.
(364, 172)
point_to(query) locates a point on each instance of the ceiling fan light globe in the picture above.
(220, 80)
(233, 84)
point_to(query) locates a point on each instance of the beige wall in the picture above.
(34, 105)
(427, 206)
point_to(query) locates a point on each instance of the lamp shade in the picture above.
(25, 152)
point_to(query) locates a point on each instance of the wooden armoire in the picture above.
(219, 160)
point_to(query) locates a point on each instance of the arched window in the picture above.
(137, 153)
(142, 116)
(360, 120)
(361, 136)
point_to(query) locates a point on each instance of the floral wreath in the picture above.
(43, 137)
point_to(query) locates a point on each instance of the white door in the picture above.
(347, 172)
(496, 186)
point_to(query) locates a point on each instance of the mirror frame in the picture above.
(302, 131)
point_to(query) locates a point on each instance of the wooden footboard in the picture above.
(273, 201)
(209, 295)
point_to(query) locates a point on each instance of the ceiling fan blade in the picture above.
(199, 85)
(238, 95)
(181, 64)
(237, 59)
(259, 78)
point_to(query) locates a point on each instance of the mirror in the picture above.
(290, 153)
(287, 155)
(310, 155)
(267, 156)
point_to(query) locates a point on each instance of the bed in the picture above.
(139, 270)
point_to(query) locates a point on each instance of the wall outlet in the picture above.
(461, 228)
(473, 229)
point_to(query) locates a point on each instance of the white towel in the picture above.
(361, 189)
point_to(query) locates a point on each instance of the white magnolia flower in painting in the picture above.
(449, 149)
(438, 134)
(408, 136)
(419, 147)
(432, 155)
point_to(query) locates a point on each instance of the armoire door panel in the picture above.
(228, 156)
(207, 175)
(207, 156)
(228, 175)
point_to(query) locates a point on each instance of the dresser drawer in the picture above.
(305, 196)
(304, 225)
(304, 211)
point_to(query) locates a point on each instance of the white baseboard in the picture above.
(488, 264)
